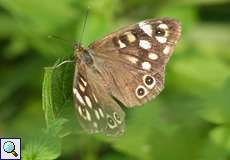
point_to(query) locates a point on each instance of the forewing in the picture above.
(125, 58)
(96, 110)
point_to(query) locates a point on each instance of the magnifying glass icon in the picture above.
(9, 147)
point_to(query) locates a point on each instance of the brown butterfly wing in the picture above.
(137, 54)
(96, 110)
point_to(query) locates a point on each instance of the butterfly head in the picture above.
(78, 50)
(83, 54)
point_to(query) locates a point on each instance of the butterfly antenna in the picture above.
(61, 39)
(64, 62)
(84, 24)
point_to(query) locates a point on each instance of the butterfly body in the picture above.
(127, 65)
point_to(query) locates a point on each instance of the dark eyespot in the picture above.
(117, 117)
(160, 32)
(149, 80)
(140, 91)
(110, 121)
(83, 111)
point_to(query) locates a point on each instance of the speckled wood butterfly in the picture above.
(127, 65)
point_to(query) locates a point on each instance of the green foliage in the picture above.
(189, 120)
(57, 98)
(45, 147)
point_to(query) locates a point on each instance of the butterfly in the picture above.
(126, 66)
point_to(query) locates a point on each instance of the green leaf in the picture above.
(45, 147)
(216, 106)
(33, 32)
(221, 137)
(47, 98)
(57, 99)
(198, 75)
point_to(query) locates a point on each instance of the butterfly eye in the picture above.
(149, 81)
(141, 91)
(117, 117)
(111, 122)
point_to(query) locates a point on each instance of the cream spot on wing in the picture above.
(87, 115)
(95, 124)
(79, 97)
(144, 44)
(153, 56)
(141, 24)
(88, 102)
(132, 59)
(163, 26)
(146, 65)
(131, 38)
(80, 111)
(166, 50)
(161, 39)
(121, 44)
(146, 29)
(101, 112)
(97, 114)
(84, 113)
(95, 98)
(83, 81)
(82, 88)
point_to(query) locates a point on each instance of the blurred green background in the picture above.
(190, 120)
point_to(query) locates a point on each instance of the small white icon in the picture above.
(10, 148)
